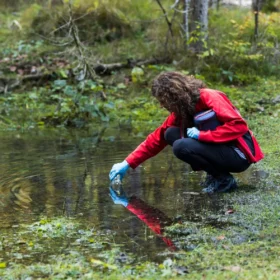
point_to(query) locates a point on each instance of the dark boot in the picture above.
(224, 183)
(208, 180)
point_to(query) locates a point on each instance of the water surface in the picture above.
(57, 173)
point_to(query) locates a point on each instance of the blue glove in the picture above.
(119, 199)
(118, 168)
(193, 132)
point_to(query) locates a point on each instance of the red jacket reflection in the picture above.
(152, 217)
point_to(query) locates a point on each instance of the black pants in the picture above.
(215, 159)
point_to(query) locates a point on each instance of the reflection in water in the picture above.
(152, 217)
(53, 174)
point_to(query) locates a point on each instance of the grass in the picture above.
(242, 244)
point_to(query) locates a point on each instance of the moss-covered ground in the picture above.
(241, 241)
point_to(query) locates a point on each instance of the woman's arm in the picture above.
(233, 125)
(152, 145)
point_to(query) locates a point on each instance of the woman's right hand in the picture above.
(118, 168)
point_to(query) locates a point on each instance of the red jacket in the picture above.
(232, 129)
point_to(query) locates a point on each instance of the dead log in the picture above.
(107, 69)
(7, 84)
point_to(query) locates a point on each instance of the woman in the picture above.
(229, 147)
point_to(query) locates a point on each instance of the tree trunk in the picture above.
(186, 19)
(199, 26)
(214, 4)
(256, 5)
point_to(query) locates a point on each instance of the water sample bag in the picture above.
(206, 120)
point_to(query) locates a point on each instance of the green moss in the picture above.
(241, 245)
(80, 254)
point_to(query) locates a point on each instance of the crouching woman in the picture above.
(204, 129)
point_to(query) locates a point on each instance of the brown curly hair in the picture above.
(177, 93)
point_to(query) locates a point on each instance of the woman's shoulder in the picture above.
(210, 91)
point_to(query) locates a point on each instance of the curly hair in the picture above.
(177, 93)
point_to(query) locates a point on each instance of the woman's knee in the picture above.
(172, 134)
(183, 146)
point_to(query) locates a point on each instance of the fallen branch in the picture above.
(169, 24)
(8, 84)
(107, 69)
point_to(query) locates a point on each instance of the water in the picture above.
(117, 184)
(58, 173)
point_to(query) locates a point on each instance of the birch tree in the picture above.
(186, 19)
(199, 24)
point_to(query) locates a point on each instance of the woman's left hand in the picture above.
(193, 132)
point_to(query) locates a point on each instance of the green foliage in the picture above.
(21, 48)
(231, 57)
(233, 53)
(137, 74)
(75, 105)
(60, 104)
(271, 6)
(240, 243)
(233, 62)
(96, 21)
(69, 251)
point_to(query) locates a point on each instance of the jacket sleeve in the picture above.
(153, 144)
(233, 125)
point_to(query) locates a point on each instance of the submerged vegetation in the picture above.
(44, 84)
(237, 241)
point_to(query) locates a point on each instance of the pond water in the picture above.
(57, 173)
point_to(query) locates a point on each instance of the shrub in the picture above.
(95, 22)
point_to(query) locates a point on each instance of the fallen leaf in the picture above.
(20, 242)
(20, 72)
(99, 262)
(234, 268)
(230, 211)
(180, 270)
(3, 265)
(192, 193)
(221, 237)
(13, 68)
(33, 70)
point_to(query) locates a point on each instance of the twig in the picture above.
(66, 24)
(169, 24)
(87, 69)
(172, 20)
(105, 69)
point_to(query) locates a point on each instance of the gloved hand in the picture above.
(119, 199)
(193, 132)
(118, 168)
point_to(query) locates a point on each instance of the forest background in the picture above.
(76, 63)
(84, 64)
